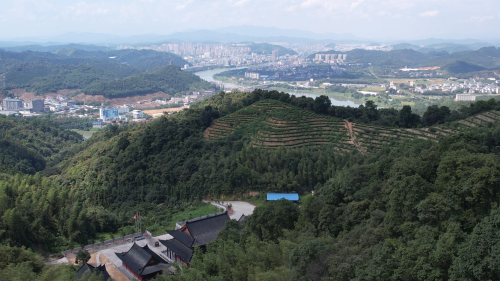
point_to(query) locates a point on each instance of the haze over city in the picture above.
(369, 19)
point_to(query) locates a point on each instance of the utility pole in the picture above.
(138, 223)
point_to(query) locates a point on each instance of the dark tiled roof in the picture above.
(205, 229)
(83, 269)
(182, 237)
(86, 267)
(104, 272)
(242, 219)
(138, 260)
(178, 248)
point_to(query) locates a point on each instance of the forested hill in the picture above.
(484, 58)
(266, 48)
(26, 146)
(272, 123)
(70, 68)
(426, 213)
(419, 210)
(144, 59)
(169, 79)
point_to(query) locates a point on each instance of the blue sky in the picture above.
(376, 19)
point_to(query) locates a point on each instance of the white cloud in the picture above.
(429, 13)
(291, 8)
(179, 7)
(354, 5)
(240, 3)
(309, 4)
(481, 19)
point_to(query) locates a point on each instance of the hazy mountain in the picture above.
(261, 31)
(53, 48)
(445, 46)
(245, 33)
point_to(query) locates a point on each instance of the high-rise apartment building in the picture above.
(36, 105)
(12, 104)
(275, 54)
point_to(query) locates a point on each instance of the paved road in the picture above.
(240, 208)
(59, 261)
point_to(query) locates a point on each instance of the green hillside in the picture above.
(266, 48)
(41, 78)
(28, 145)
(70, 68)
(274, 124)
(462, 67)
(416, 199)
(408, 55)
(271, 123)
(169, 79)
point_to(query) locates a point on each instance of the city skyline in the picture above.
(371, 19)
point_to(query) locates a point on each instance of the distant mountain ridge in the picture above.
(229, 34)
(459, 62)
(243, 33)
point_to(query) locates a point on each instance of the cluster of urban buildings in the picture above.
(369, 47)
(231, 54)
(190, 49)
(290, 73)
(330, 58)
(59, 105)
(470, 87)
(120, 113)
(12, 106)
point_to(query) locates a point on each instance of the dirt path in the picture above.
(348, 126)
(373, 73)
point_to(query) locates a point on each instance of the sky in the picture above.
(374, 19)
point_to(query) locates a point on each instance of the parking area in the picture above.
(240, 208)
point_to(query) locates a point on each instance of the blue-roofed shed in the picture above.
(278, 196)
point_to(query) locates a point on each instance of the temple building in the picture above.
(196, 232)
(87, 267)
(142, 262)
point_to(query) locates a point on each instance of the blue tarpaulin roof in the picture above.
(287, 196)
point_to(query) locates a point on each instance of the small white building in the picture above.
(56, 108)
(137, 114)
(369, 93)
(465, 97)
(123, 109)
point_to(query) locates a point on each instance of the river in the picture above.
(208, 75)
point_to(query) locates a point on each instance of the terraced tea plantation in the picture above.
(272, 124)
(372, 138)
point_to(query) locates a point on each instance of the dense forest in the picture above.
(27, 145)
(169, 79)
(419, 210)
(70, 68)
(429, 213)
